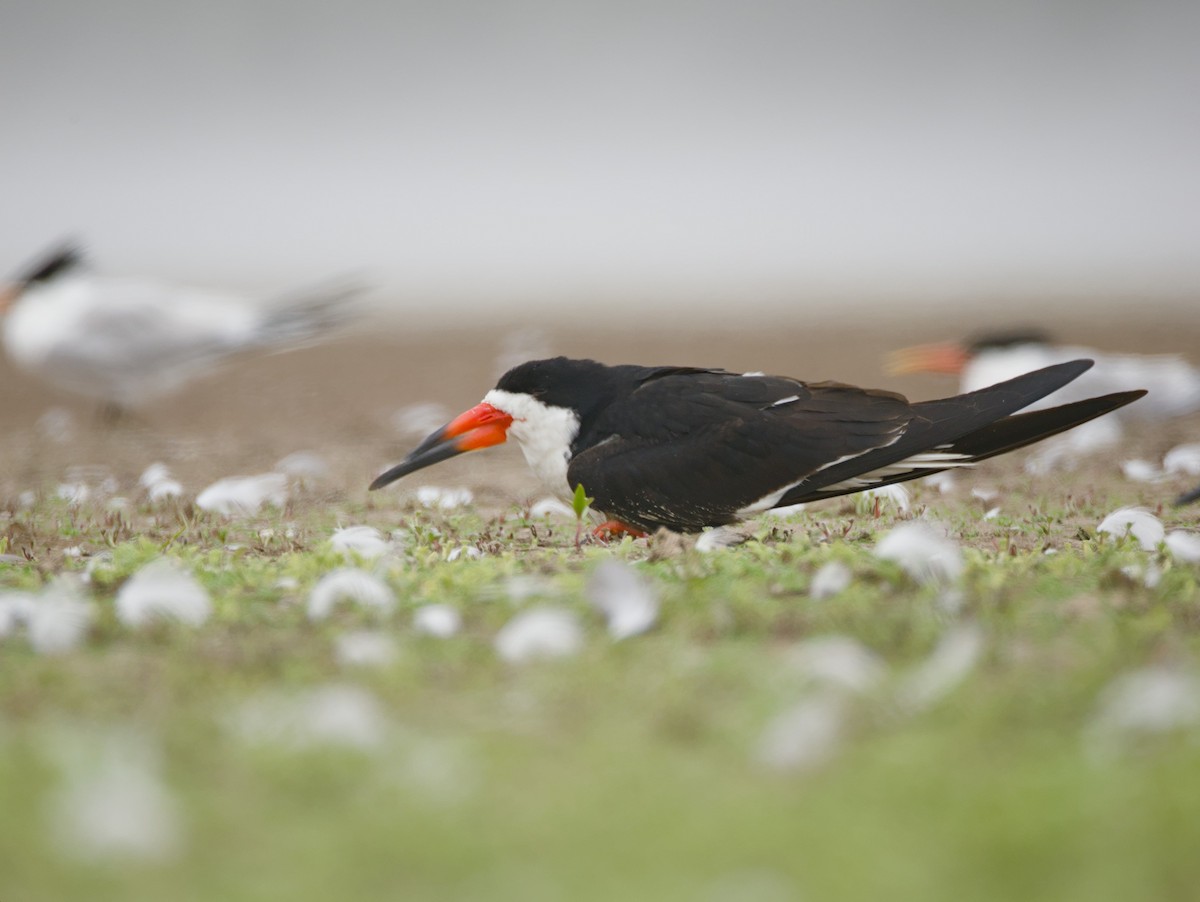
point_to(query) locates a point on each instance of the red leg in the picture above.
(612, 529)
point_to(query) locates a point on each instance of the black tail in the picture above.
(963, 430)
(60, 259)
(1188, 497)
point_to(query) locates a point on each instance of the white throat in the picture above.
(544, 433)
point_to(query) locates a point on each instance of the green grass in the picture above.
(629, 770)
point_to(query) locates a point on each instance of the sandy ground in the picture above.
(341, 399)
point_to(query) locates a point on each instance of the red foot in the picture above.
(612, 529)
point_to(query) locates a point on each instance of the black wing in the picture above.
(695, 448)
(705, 450)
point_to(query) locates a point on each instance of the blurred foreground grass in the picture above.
(736, 751)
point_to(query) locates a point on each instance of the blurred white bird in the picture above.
(126, 341)
(1173, 384)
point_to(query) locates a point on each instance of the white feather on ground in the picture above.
(944, 482)
(836, 662)
(15, 610)
(1146, 573)
(542, 632)
(1152, 701)
(1139, 470)
(805, 735)
(420, 419)
(951, 661)
(111, 803)
(628, 602)
(58, 619)
(442, 498)
(720, 538)
(366, 542)
(1183, 459)
(831, 579)
(1184, 545)
(922, 553)
(159, 484)
(57, 425)
(306, 468)
(162, 591)
(895, 494)
(334, 715)
(244, 495)
(785, 512)
(551, 507)
(1138, 522)
(365, 648)
(438, 620)
(347, 584)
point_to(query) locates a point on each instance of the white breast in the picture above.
(544, 433)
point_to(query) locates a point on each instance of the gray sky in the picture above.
(491, 152)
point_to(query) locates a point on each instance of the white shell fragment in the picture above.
(833, 578)
(627, 601)
(438, 620)
(922, 552)
(365, 541)
(542, 632)
(1138, 522)
(161, 591)
(348, 584)
(241, 495)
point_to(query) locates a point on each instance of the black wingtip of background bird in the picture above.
(1188, 497)
(63, 257)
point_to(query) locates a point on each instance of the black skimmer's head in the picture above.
(684, 448)
(953, 357)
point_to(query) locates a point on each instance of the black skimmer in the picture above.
(1188, 497)
(1173, 385)
(685, 448)
(126, 341)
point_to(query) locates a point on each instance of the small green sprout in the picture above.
(580, 504)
